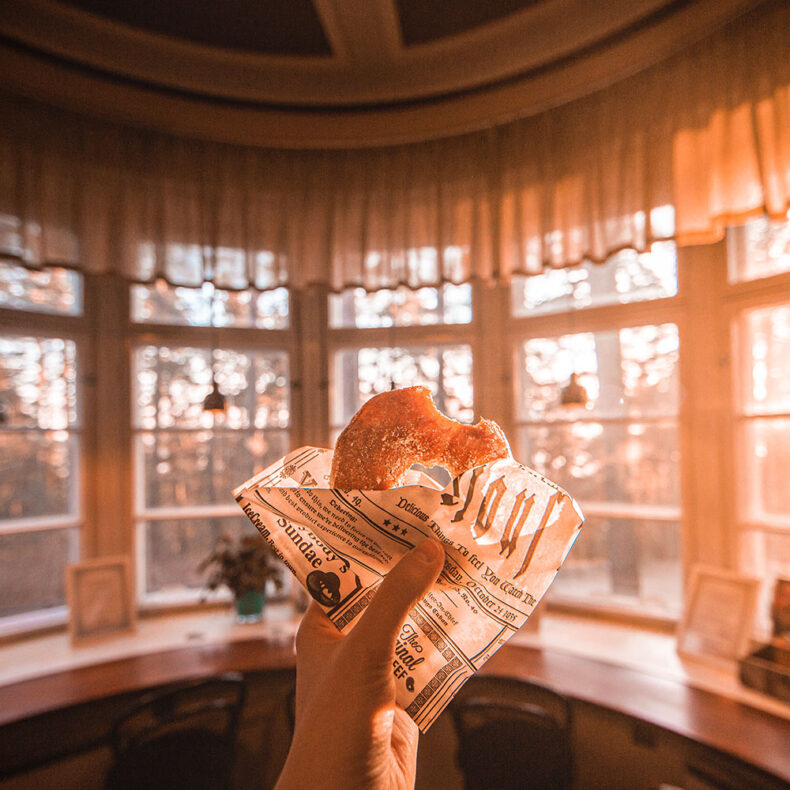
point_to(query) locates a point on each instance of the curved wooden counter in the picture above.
(755, 737)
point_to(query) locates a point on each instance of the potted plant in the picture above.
(244, 567)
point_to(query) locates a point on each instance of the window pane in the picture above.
(32, 567)
(759, 248)
(632, 372)
(52, 290)
(271, 309)
(175, 549)
(189, 469)
(38, 382)
(172, 382)
(636, 463)
(628, 276)
(763, 342)
(361, 373)
(450, 304)
(162, 303)
(629, 562)
(40, 474)
(233, 268)
(766, 459)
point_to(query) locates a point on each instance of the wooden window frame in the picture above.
(75, 328)
(609, 318)
(704, 309)
(239, 339)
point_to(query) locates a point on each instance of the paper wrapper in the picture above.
(506, 531)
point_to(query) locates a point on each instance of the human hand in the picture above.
(350, 734)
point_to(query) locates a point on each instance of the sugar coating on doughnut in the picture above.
(397, 429)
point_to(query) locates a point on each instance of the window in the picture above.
(161, 303)
(186, 460)
(377, 363)
(54, 290)
(40, 436)
(628, 276)
(361, 373)
(619, 453)
(761, 375)
(450, 304)
(760, 248)
(623, 327)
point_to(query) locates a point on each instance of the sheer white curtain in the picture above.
(707, 131)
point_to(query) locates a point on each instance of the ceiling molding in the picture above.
(371, 66)
(362, 34)
(362, 96)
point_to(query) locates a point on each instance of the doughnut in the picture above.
(397, 429)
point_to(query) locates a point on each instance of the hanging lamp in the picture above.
(214, 402)
(573, 393)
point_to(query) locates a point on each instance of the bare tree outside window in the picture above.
(40, 445)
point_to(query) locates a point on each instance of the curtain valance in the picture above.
(707, 132)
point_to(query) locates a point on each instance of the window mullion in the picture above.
(310, 367)
(490, 353)
(705, 381)
(108, 446)
(38, 524)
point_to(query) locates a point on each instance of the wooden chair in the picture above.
(181, 737)
(513, 736)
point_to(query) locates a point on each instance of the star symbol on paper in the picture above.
(395, 527)
(387, 522)
(403, 531)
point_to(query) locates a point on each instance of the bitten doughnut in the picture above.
(402, 427)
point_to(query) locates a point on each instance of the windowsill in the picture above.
(651, 651)
(33, 624)
(53, 652)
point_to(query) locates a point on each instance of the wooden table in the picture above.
(756, 737)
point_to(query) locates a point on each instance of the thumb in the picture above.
(403, 586)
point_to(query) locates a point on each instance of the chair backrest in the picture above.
(213, 705)
(290, 708)
(513, 735)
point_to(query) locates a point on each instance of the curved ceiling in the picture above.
(335, 73)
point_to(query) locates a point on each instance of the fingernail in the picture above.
(429, 550)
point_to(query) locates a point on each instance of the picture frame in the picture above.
(100, 596)
(718, 616)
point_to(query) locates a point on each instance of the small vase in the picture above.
(249, 606)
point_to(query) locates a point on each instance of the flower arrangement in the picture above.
(243, 567)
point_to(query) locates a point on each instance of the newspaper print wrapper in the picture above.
(506, 531)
